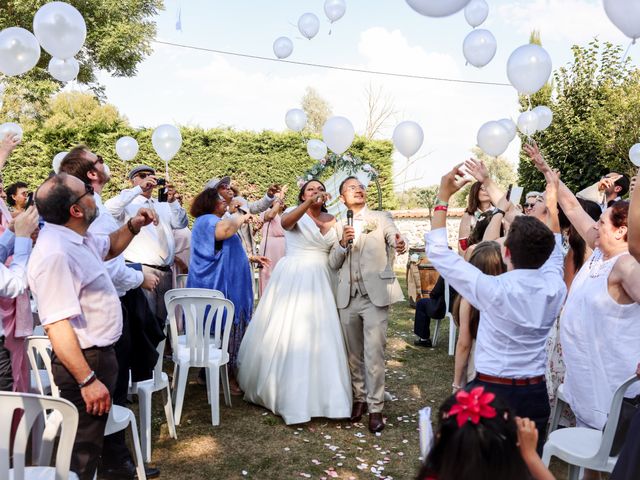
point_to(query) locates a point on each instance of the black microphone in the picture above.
(350, 223)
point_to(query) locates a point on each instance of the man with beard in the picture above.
(79, 306)
(137, 323)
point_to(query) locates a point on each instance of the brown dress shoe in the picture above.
(359, 409)
(376, 423)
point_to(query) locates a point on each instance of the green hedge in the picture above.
(253, 160)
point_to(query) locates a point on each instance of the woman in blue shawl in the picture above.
(218, 261)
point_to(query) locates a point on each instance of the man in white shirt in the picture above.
(612, 187)
(154, 248)
(85, 165)
(79, 306)
(517, 308)
(13, 279)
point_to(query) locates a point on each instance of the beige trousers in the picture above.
(364, 327)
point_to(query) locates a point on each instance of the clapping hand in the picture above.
(401, 245)
(451, 183)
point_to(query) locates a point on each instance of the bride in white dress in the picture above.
(293, 360)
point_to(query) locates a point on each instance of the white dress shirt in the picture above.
(517, 308)
(154, 245)
(69, 280)
(13, 279)
(124, 278)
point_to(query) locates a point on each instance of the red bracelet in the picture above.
(440, 208)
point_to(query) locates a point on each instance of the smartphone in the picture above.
(29, 200)
(516, 195)
(162, 191)
(509, 192)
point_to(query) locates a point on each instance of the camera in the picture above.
(162, 191)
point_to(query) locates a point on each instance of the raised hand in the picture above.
(26, 222)
(533, 152)
(148, 183)
(273, 190)
(477, 169)
(451, 183)
(321, 197)
(8, 143)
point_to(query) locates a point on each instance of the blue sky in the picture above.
(210, 90)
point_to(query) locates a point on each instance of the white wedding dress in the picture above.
(293, 359)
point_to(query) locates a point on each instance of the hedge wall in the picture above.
(253, 160)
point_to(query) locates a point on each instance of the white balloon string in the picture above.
(529, 100)
(166, 170)
(626, 52)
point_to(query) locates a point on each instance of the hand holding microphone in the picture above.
(348, 233)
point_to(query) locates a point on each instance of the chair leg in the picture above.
(168, 411)
(555, 415)
(224, 371)
(179, 391)
(136, 447)
(208, 381)
(574, 472)
(144, 399)
(213, 385)
(436, 331)
(452, 337)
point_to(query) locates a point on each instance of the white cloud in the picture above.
(574, 21)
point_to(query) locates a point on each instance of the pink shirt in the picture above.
(69, 280)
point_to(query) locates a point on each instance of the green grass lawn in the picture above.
(251, 442)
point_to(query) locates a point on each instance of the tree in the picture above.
(380, 109)
(418, 197)
(317, 109)
(596, 118)
(119, 35)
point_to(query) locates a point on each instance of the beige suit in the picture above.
(367, 286)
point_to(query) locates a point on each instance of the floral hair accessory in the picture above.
(473, 406)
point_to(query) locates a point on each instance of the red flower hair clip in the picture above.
(473, 406)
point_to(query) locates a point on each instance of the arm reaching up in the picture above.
(634, 220)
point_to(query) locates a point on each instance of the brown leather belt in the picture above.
(518, 382)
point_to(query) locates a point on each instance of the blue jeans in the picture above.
(531, 401)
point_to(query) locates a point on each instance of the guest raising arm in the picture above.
(634, 220)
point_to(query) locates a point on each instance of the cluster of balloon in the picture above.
(127, 148)
(309, 26)
(535, 120)
(296, 119)
(634, 154)
(338, 134)
(57, 160)
(61, 30)
(407, 138)
(166, 141)
(625, 15)
(479, 47)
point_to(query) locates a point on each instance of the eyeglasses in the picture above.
(224, 186)
(530, 205)
(88, 190)
(354, 188)
(143, 175)
(99, 160)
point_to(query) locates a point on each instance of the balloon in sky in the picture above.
(634, 154)
(545, 116)
(528, 68)
(60, 29)
(64, 70)
(407, 138)
(493, 138)
(509, 126)
(296, 119)
(126, 148)
(19, 51)
(282, 47)
(57, 160)
(476, 12)
(479, 47)
(338, 133)
(309, 25)
(625, 14)
(335, 9)
(166, 140)
(528, 123)
(437, 8)
(316, 149)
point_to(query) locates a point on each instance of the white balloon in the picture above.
(296, 119)
(57, 160)
(634, 154)
(107, 170)
(545, 116)
(60, 29)
(335, 9)
(476, 12)
(309, 25)
(493, 138)
(64, 70)
(126, 148)
(282, 47)
(625, 15)
(407, 138)
(19, 51)
(510, 126)
(11, 128)
(316, 149)
(166, 140)
(479, 47)
(437, 8)
(528, 123)
(338, 134)
(528, 68)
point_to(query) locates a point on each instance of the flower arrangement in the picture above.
(347, 162)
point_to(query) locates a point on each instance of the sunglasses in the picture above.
(88, 190)
(99, 160)
(530, 205)
(143, 175)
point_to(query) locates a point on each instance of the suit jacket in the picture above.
(376, 248)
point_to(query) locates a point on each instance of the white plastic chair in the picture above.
(556, 413)
(452, 325)
(586, 447)
(34, 407)
(39, 352)
(145, 389)
(198, 348)
(119, 417)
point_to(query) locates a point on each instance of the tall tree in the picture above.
(317, 109)
(596, 118)
(380, 110)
